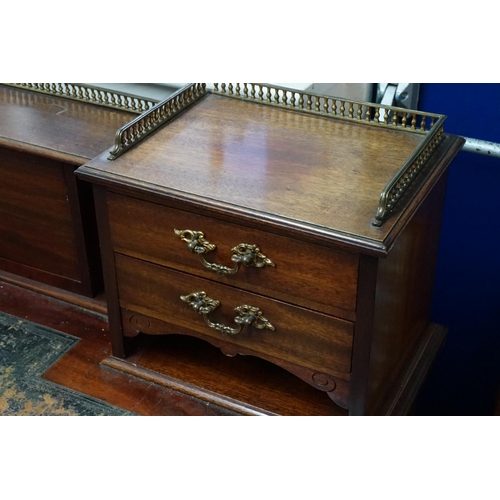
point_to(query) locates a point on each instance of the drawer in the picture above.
(300, 336)
(309, 275)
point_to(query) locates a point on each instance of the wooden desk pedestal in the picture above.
(251, 226)
(48, 231)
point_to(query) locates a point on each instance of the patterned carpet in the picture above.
(27, 350)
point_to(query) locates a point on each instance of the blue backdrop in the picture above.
(465, 379)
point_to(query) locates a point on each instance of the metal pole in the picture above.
(481, 147)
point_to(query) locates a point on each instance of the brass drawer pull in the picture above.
(244, 253)
(246, 315)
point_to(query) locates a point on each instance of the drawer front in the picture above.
(306, 338)
(309, 275)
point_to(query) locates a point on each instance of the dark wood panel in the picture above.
(201, 393)
(246, 379)
(61, 292)
(48, 223)
(336, 386)
(303, 337)
(25, 272)
(81, 199)
(363, 334)
(401, 399)
(310, 275)
(32, 244)
(120, 345)
(36, 224)
(34, 188)
(403, 296)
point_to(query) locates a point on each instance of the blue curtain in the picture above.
(465, 379)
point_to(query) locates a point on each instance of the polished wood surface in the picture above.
(182, 376)
(367, 284)
(81, 369)
(299, 186)
(175, 374)
(36, 227)
(95, 304)
(320, 172)
(303, 337)
(336, 386)
(183, 387)
(48, 230)
(245, 379)
(146, 231)
(54, 126)
(404, 296)
(84, 223)
(401, 398)
(47, 223)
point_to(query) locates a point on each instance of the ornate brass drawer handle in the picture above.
(246, 315)
(244, 253)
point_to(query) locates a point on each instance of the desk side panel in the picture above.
(403, 298)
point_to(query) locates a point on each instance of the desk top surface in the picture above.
(282, 165)
(59, 125)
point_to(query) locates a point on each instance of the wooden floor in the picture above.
(178, 375)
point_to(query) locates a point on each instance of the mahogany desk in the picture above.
(47, 219)
(295, 228)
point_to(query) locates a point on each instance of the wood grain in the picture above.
(36, 225)
(404, 296)
(336, 385)
(302, 337)
(119, 344)
(47, 219)
(54, 125)
(402, 398)
(363, 330)
(84, 225)
(313, 276)
(95, 304)
(185, 387)
(81, 370)
(247, 380)
(302, 187)
(323, 172)
(34, 188)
